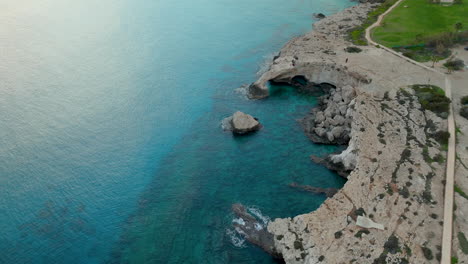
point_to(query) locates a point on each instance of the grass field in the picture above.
(419, 19)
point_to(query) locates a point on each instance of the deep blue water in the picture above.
(111, 149)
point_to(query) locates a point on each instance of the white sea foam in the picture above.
(257, 213)
(239, 231)
(226, 123)
(239, 221)
(258, 227)
(243, 90)
(266, 64)
(236, 240)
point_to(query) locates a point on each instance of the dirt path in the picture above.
(450, 172)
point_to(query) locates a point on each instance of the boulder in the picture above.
(320, 131)
(339, 120)
(337, 98)
(337, 131)
(330, 136)
(319, 15)
(319, 118)
(348, 93)
(241, 123)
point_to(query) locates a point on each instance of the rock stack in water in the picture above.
(241, 123)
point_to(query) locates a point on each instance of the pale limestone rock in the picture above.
(337, 131)
(403, 194)
(241, 123)
(365, 222)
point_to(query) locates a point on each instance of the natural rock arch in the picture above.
(319, 73)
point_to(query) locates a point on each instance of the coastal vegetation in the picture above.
(460, 191)
(432, 98)
(454, 65)
(463, 242)
(357, 35)
(424, 30)
(464, 107)
(352, 49)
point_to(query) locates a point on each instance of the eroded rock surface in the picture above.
(253, 230)
(392, 160)
(330, 122)
(393, 184)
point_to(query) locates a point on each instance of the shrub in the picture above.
(432, 98)
(460, 191)
(427, 253)
(338, 234)
(464, 100)
(442, 137)
(353, 49)
(463, 242)
(298, 245)
(464, 111)
(454, 65)
(391, 245)
(360, 232)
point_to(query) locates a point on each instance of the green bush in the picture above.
(464, 111)
(454, 65)
(463, 242)
(392, 245)
(464, 100)
(460, 191)
(442, 137)
(432, 98)
(427, 253)
(353, 49)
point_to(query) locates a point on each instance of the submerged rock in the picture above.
(248, 228)
(241, 123)
(319, 15)
(329, 192)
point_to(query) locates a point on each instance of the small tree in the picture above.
(440, 48)
(458, 26)
(434, 59)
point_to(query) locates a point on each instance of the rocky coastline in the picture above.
(390, 209)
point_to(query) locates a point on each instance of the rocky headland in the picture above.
(391, 208)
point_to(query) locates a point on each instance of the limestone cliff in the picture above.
(393, 158)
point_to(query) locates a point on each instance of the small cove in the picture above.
(188, 207)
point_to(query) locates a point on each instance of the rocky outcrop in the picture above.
(319, 15)
(394, 181)
(338, 166)
(330, 122)
(391, 200)
(329, 192)
(241, 123)
(253, 231)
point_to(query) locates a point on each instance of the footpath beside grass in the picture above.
(419, 20)
(357, 34)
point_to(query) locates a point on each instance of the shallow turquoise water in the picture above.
(110, 145)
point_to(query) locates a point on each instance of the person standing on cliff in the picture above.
(346, 60)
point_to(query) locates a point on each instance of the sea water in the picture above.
(111, 149)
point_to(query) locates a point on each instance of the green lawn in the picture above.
(420, 17)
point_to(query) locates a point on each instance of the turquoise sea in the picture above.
(111, 149)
